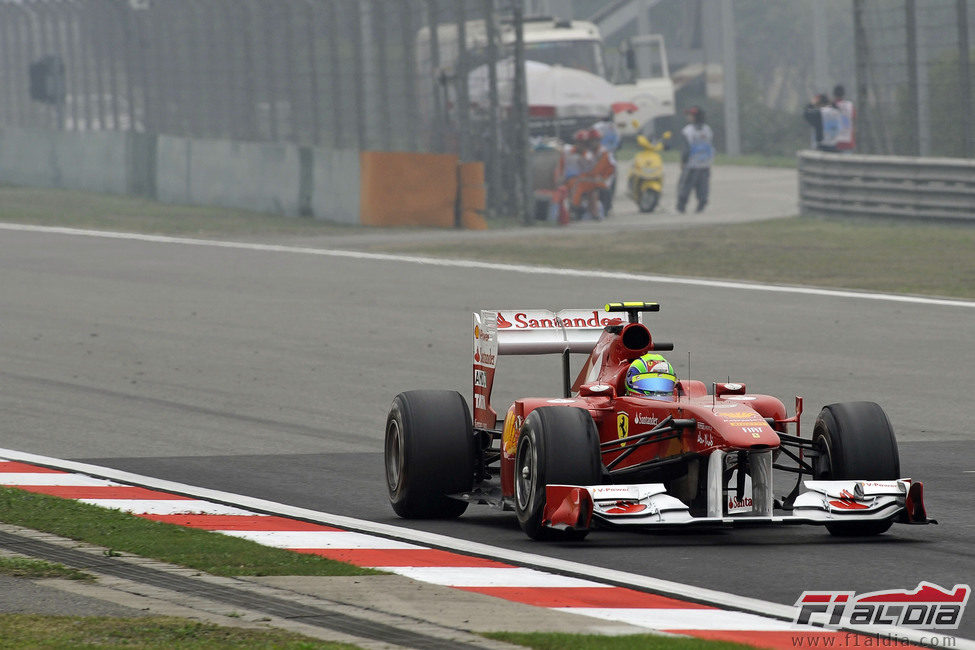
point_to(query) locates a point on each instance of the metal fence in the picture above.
(350, 74)
(914, 68)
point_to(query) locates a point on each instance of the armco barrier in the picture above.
(886, 186)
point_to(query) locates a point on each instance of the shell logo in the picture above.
(509, 436)
(623, 508)
(740, 415)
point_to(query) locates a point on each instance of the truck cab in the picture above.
(642, 79)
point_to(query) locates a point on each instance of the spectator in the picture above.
(585, 168)
(845, 139)
(572, 158)
(603, 174)
(608, 133)
(697, 153)
(824, 119)
(609, 138)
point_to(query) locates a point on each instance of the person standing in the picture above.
(609, 135)
(824, 118)
(845, 138)
(697, 154)
(609, 138)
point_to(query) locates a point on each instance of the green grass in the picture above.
(89, 210)
(887, 256)
(149, 633)
(22, 567)
(75, 209)
(554, 641)
(894, 257)
(197, 549)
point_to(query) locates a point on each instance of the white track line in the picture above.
(58, 480)
(493, 266)
(166, 506)
(688, 619)
(689, 592)
(319, 539)
(489, 577)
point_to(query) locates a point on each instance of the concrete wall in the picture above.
(335, 185)
(256, 176)
(265, 177)
(98, 162)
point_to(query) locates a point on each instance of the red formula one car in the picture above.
(600, 455)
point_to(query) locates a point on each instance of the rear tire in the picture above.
(855, 441)
(429, 454)
(648, 200)
(557, 445)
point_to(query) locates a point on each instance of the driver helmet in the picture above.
(651, 376)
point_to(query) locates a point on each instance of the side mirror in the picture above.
(604, 390)
(728, 389)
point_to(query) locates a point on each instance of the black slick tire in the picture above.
(429, 454)
(557, 445)
(855, 441)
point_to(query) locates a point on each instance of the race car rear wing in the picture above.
(529, 331)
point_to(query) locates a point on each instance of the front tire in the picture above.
(557, 445)
(648, 200)
(429, 454)
(855, 441)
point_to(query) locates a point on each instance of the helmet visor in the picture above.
(653, 384)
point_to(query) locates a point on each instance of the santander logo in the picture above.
(547, 320)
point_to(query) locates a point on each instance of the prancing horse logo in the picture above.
(622, 426)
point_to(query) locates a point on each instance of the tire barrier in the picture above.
(472, 196)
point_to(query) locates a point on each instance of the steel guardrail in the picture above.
(858, 185)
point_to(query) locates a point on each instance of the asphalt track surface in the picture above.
(268, 373)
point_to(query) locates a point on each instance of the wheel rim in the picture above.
(525, 473)
(823, 464)
(394, 455)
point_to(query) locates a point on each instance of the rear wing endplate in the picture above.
(528, 331)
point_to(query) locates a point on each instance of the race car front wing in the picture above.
(649, 505)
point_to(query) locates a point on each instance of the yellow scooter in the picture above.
(646, 179)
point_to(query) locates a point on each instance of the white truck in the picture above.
(641, 88)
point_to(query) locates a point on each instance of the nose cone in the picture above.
(742, 427)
